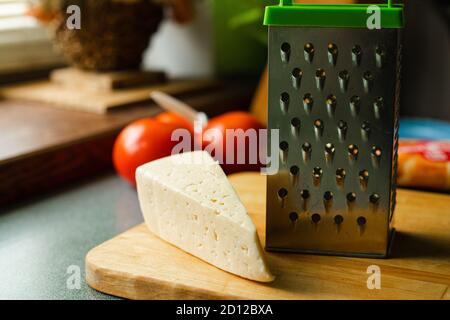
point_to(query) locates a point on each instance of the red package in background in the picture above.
(424, 164)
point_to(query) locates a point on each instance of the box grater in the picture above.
(334, 96)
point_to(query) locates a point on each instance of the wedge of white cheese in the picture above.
(188, 201)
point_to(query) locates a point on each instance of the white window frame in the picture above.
(25, 45)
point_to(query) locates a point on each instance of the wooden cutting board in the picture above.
(138, 265)
(99, 102)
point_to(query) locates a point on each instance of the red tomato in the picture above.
(140, 142)
(232, 120)
(175, 119)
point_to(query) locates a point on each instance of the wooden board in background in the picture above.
(138, 265)
(72, 78)
(97, 102)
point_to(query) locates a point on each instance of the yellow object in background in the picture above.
(261, 99)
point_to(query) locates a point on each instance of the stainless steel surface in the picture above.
(333, 94)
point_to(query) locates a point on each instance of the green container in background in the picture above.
(240, 40)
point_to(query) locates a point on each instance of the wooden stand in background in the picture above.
(99, 92)
(72, 78)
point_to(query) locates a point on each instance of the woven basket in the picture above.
(113, 35)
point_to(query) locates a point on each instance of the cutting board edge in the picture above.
(111, 282)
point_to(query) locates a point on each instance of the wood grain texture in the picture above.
(138, 265)
(75, 79)
(96, 102)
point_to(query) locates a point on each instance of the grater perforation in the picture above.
(333, 95)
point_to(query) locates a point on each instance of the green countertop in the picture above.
(42, 238)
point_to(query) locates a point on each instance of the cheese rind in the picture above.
(194, 207)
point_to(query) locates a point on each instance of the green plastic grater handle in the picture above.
(288, 13)
(289, 3)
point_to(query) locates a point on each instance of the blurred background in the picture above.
(226, 38)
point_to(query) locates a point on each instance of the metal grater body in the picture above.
(338, 196)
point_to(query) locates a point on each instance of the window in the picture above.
(24, 43)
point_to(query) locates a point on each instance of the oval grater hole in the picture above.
(284, 146)
(331, 99)
(355, 105)
(379, 100)
(307, 147)
(357, 50)
(309, 52)
(282, 193)
(344, 75)
(295, 126)
(331, 102)
(308, 102)
(368, 81)
(317, 172)
(353, 150)
(365, 126)
(285, 52)
(356, 55)
(361, 221)
(295, 122)
(368, 76)
(378, 107)
(284, 97)
(355, 100)
(320, 78)
(328, 196)
(286, 47)
(364, 176)
(365, 130)
(342, 125)
(340, 174)
(351, 197)
(318, 123)
(374, 198)
(332, 48)
(316, 218)
(294, 173)
(329, 148)
(376, 152)
(318, 128)
(284, 101)
(342, 129)
(338, 219)
(380, 50)
(320, 73)
(344, 78)
(297, 75)
(309, 47)
(293, 216)
(305, 194)
(380, 56)
(306, 153)
(294, 170)
(332, 53)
